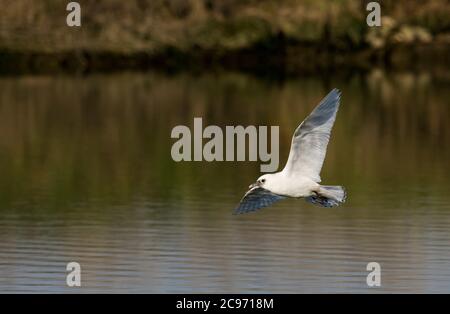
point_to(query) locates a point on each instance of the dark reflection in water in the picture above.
(87, 176)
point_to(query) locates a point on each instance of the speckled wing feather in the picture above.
(256, 198)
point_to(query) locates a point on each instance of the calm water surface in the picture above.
(86, 175)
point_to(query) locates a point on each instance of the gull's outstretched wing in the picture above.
(310, 140)
(256, 198)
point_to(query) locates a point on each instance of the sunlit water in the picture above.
(86, 175)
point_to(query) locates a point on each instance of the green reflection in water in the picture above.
(106, 138)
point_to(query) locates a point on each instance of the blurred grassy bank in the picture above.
(249, 35)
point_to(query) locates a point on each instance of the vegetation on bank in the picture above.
(136, 33)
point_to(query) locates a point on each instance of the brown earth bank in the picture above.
(262, 36)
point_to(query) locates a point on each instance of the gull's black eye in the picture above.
(263, 180)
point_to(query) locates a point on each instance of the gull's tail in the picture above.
(328, 196)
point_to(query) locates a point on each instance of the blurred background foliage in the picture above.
(212, 29)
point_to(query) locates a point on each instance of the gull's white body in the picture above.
(282, 183)
(301, 175)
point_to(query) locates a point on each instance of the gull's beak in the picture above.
(251, 186)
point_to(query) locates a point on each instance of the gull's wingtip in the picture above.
(329, 103)
(331, 100)
(335, 92)
(239, 210)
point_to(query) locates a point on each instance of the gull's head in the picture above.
(262, 181)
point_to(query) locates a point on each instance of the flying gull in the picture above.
(300, 177)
